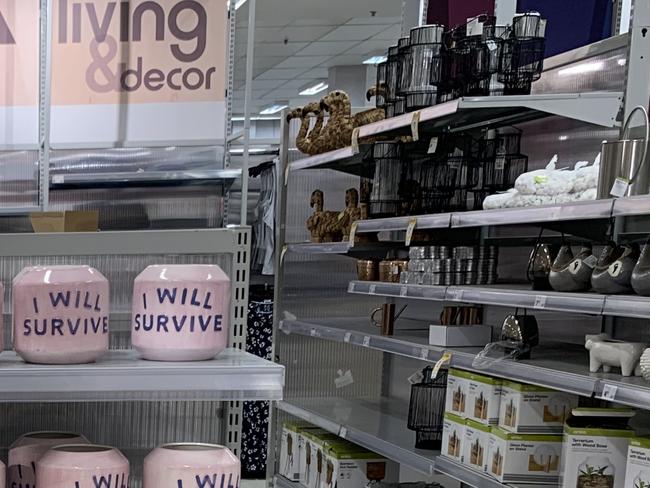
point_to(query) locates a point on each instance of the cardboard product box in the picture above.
(529, 409)
(595, 448)
(68, 221)
(459, 335)
(637, 471)
(457, 391)
(453, 435)
(350, 466)
(312, 459)
(484, 398)
(475, 445)
(524, 458)
(291, 446)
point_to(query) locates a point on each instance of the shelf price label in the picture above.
(424, 353)
(286, 174)
(413, 222)
(366, 341)
(347, 337)
(312, 332)
(540, 302)
(415, 126)
(609, 392)
(403, 291)
(353, 231)
(351, 287)
(620, 186)
(282, 253)
(343, 432)
(355, 141)
(444, 359)
(372, 289)
(457, 295)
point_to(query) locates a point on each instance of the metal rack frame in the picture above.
(122, 375)
(566, 370)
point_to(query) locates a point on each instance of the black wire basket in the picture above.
(521, 64)
(385, 198)
(426, 409)
(420, 67)
(380, 95)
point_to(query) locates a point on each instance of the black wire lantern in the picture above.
(427, 408)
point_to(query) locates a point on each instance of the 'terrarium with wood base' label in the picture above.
(180, 312)
(60, 314)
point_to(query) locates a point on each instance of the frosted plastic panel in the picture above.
(18, 179)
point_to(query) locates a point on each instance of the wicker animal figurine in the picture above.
(321, 223)
(337, 133)
(344, 219)
(306, 137)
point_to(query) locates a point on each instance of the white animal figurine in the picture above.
(607, 352)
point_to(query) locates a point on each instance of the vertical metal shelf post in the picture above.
(44, 102)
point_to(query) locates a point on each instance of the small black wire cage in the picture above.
(521, 63)
(447, 174)
(380, 96)
(420, 69)
(385, 198)
(426, 409)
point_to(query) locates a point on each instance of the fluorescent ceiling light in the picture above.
(273, 109)
(563, 138)
(375, 60)
(239, 118)
(315, 89)
(582, 68)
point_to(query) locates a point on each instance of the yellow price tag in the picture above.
(413, 222)
(415, 123)
(353, 231)
(444, 359)
(355, 140)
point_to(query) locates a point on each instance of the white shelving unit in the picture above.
(379, 422)
(122, 375)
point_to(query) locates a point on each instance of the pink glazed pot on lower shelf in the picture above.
(29, 448)
(60, 314)
(191, 465)
(180, 312)
(82, 466)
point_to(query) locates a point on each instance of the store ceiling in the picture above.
(297, 41)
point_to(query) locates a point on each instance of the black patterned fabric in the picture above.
(255, 422)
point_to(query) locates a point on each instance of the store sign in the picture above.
(145, 70)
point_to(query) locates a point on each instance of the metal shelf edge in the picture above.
(466, 475)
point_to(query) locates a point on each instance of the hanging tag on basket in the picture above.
(491, 45)
(620, 186)
(415, 126)
(433, 145)
(444, 359)
(355, 141)
(353, 231)
(413, 222)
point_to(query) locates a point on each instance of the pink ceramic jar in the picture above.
(82, 466)
(60, 314)
(190, 465)
(180, 312)
(28, 449)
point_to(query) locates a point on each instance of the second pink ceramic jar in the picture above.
(188, 465)
(83, 466)
(25, 452)
(180, 312)
(60, 314)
